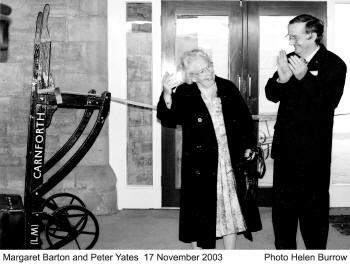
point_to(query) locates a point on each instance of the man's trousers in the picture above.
(300, 194)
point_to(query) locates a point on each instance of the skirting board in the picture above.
(339, 195)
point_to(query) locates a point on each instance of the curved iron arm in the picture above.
(70, 142)
(80, 153)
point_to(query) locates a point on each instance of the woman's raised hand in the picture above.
(169, 82)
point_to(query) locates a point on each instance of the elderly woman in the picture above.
(217, 133)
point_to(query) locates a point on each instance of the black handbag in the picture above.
(254, 166)
(250, 170)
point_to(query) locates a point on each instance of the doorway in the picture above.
(243, 38)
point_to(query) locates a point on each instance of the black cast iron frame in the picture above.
(45, 99)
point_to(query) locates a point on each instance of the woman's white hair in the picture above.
(190, 56)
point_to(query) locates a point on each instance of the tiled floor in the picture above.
(158, 229)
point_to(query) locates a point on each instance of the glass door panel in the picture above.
(210, 33)
(268, 52)
(340, 179)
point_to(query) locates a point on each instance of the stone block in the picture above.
(94, 57)
(140, 178)
(59, 188)
(139, 68)
(134, 118)
(58, 8)
(3, 178)
(9, 160)
(100, 178)
(145, 133)
(99, 203)
(22, 28)
(72, 51)
(19, 102)
(147, 148)
(140, 91)
(98, 154)
(11, 79)
(63, 122)
(58, 28)
(134, 147)
(109, 199)
(19, 150)
(27, 79)
(139, 44)
(3, 127)
(139, 12)
(87, 29)
(58, 50)
(82, 83)
(65, 184)
(58, 76)
(68, 182)
(148, 118)
(94, 7)
(70, 57)
(5, 149)
(20, 51)
(20, 8)
(16, 128)
(20, 117)
(141, 28)
(92, 200)
(52, 145)
(5, 146)
(16, 178)
(19, 110)
(144, 160)
(5, 109)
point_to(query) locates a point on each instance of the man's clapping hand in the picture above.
(284, 72)
(298, 67)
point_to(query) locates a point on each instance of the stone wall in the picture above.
(78, 31)
(139, 78)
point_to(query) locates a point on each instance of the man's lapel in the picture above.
(314, 63)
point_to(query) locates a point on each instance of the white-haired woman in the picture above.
(217, 133)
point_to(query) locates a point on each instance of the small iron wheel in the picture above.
(72, 227)
(58, 200)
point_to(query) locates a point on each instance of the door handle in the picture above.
(249, 86)
(239, 81)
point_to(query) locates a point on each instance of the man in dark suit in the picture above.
(308, 85)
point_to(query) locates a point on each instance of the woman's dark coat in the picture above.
(200, 157)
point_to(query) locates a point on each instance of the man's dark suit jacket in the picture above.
(303, 130)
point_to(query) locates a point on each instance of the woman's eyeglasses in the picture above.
(203, 71)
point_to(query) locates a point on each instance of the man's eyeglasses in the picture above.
(295, 38)
(208, 68)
